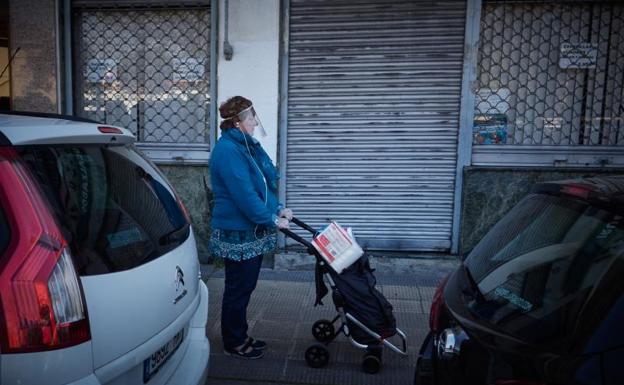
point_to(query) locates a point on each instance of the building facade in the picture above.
(418, 123)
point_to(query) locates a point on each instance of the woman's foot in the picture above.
(256, 344)
(244, 351)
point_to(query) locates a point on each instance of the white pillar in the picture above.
(254, 69)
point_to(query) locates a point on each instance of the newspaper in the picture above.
(337, 246)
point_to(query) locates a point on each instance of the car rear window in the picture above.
(115, 209)
(548, 263)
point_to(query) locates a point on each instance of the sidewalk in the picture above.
(282, 312)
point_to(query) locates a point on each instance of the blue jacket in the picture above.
(244, 183)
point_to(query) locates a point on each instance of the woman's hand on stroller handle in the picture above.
(289, 233)
(282, 223)
(286, 213)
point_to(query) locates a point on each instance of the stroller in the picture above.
(364, 313)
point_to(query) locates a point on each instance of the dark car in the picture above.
(540, 299)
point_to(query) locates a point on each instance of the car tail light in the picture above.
(109, 130)
(438, 310)
(40, 296)
(577, 191)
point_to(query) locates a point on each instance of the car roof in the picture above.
(27, 129)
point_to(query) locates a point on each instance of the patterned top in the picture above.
(240, 245)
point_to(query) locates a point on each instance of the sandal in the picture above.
(256, 344)
(243, 353)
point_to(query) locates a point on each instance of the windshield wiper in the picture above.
(475, 292)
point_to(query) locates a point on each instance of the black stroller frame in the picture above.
(324, 331)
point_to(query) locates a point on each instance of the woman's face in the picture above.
(248, 123)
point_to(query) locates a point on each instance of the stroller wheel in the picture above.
(317, 356)
(371, 364)
(323, 330)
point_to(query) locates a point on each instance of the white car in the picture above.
(99, 275)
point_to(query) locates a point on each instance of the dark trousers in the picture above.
(240, 281)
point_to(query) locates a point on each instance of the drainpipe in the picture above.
(228, 50)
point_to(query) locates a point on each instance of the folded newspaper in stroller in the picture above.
(337, 246)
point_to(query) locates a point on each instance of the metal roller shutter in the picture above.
(373, 114)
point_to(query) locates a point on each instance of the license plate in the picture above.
(160, 356)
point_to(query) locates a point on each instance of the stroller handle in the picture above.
(289, 233)
(304, 225)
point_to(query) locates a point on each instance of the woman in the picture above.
(245, 217)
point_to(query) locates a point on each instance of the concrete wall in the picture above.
(34, 72)
(489, 193)
(253, 71)
(192, 183)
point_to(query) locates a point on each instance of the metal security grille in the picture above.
(373, 109)
(551, 74)
(146, 70)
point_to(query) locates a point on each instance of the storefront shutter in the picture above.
(373, 114)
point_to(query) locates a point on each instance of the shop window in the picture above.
(147, 70)
(550, 75)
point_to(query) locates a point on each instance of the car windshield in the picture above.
(546, 266)
(115, 209)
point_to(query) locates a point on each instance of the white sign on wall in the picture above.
(189, 69)
(578, 55)
(101, 70)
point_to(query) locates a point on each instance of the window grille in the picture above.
(550, 74)
(147, 70)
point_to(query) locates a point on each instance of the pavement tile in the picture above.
(409, 319)
(426, 293)
(275, 349)
(413, 306)
(342, 373)
(270, 329)
(393, 292)
(265, 369)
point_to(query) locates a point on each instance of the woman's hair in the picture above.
(229, 110)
